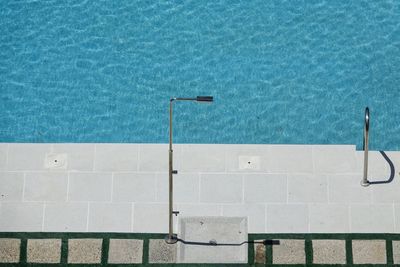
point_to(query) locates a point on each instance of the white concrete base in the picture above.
(213, 230)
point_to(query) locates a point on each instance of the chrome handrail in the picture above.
(365, 181)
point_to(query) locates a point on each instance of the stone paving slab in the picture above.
(9, 250)
(329, 251)
(125, 251)
(44, 250)
(289, 251)
(161, 252)
(259, 253)
(84, 250)
(369, 251)
(396, 251)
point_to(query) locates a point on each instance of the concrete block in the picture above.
(84, 250)
(110, 217)
(134, 187)
(289, 251)
(377, 218)
(89, 186)
(186, 187)
(80, 156)
(27, 157)
(260, 256)
(287, 218)
(230, 230)
(396, 251)
(221, 188)
(150, 218)
(329, 218)
(369, 251)
(21, 217)
(46, 186)
(3, 156)
(344, 188)
(201, 158)
(255, 214)
(9, 250)
(116, 157)
(334, 159)
(161, 252)
(290, 159)
(303, 188)
(235, 152)
(11, 186)
(262, 188)
(125, 251)
(44, 251)
(65, 217)
(329, 251)
(154, 157)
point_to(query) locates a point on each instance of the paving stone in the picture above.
(259, 253)
(329, 251)
(161, 252)
(84, 250)
(9, 250)
(290, 251)
(369, 251)
(125, 251)
(396, 252)
(44, 250)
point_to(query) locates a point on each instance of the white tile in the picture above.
(255, 214)
(3, 155)
(376, 218)
(154, 157)
(11, 186)
(186, 187)
(27, 156)
(263, 188)
(334, 159)
(201, 157)
(65, 217)
(282, 218)
(80, 157)
(151, 218)
(347, 189)
(303, 188)
(397, 218)
(235, 152)
(378, 168)
(89, 187)
(386, 193)
(46, 186)
(186, 210)
(21, 217)
(116, 157)
(290, 159)
(110, 217)
(329, 218)
(221, 188)
(134, 187)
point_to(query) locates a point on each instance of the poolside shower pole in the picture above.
(172, 238)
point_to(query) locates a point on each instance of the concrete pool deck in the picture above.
(123, 187)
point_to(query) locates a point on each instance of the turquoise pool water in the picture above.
(296, 72)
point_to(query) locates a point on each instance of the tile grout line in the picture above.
(87, 217)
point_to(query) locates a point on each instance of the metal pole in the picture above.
(171, 238)
(365, 181)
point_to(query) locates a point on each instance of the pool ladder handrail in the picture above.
(365, 181)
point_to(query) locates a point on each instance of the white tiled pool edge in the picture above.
(123, 187)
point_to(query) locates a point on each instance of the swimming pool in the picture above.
(295, 72)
